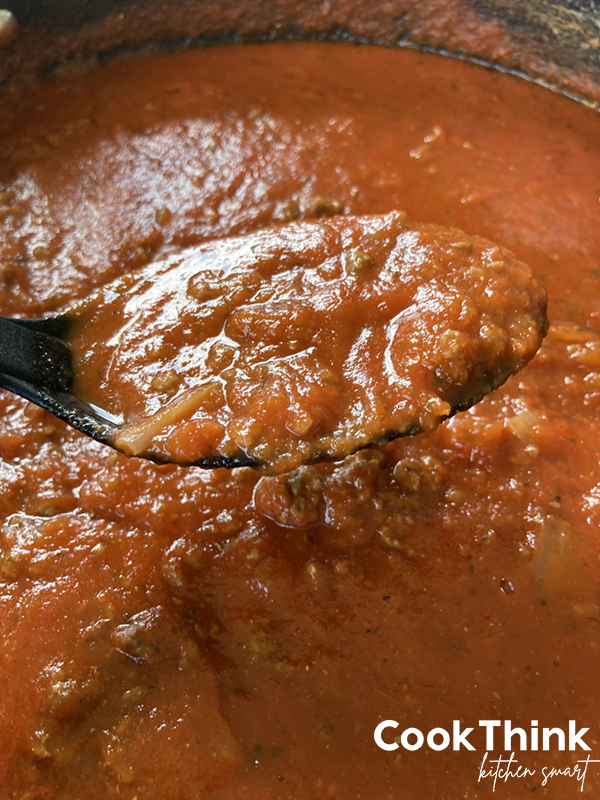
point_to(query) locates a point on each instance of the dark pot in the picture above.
(557, 42)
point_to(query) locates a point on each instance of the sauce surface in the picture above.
(170, 632)
(305, 342)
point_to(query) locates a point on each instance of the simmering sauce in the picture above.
(170, 632)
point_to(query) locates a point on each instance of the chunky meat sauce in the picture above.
(304, 342)
(172, 632)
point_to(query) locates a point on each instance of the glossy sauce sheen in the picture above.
(304, 342)
(170, 632)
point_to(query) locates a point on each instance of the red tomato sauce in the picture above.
(174, 633)
(304, 342)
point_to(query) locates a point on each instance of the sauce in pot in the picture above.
(174, 633)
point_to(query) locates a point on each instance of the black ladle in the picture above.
(35, 363)
(388, 310)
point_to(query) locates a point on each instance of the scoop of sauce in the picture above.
(305, 342)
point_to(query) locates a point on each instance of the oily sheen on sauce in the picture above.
(172, 632)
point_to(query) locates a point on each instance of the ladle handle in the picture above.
(31, 354)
